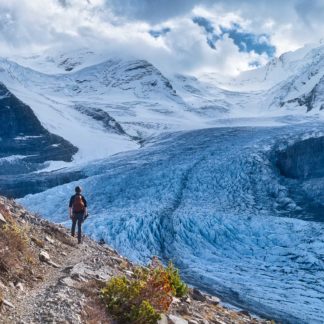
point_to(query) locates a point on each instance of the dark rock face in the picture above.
(302, 168)
(108, 122)
(21, 133)
(303, 160)
(25, 145)
(311, 100)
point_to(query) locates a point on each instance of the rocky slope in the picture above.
(45, 277)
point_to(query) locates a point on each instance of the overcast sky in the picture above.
(225, 36)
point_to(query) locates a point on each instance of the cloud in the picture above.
(248, 42)
(311, 13)
(225, 36)
(151, 11)
(244, 40)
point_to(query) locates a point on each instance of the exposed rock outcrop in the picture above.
(25, 147)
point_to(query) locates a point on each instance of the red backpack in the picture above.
(78, 204)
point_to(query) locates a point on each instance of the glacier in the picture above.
(219, 203)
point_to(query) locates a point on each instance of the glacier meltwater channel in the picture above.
(223, 206)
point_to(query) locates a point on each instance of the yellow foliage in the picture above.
(15, 253)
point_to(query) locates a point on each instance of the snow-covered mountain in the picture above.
(87, 98)
(239, 209)
(294, 81)
(118, 103)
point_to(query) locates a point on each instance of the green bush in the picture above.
(142, 298)
(145, 313)
(123, 298)
(179, 287)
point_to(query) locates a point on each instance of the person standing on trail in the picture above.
(78, 211)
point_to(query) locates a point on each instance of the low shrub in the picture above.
(15, 253)
(17, 235)
(143, 297)
(145, 313)
(179, 287)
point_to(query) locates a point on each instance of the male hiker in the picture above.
(78, 211)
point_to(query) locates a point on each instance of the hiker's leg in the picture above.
(74, 221)
(80, 220)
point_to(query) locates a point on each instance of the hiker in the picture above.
(78, 211)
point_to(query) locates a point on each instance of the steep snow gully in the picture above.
(239, 210)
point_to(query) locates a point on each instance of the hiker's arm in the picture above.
(85, 206)
(70, 207)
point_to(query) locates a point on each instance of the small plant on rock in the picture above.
(143, 297)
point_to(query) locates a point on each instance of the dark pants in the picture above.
(77, 218)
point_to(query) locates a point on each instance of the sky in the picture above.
(186, 36)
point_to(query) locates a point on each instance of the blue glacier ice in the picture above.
(237, 210)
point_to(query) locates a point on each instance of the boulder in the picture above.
(197, 295)
(44, 256)
(7, 303)
(20, 286)
(2, 286)
(67, 269)
(48, 239)
(213, 300)
(67, 281)
(177, 320)
(183, 309)
(53, 264)
(203, 321)
(163, 319)
(218, 321)
(245, 312)
(2, 219)
(176, 301)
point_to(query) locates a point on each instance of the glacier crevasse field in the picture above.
(219, 203)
